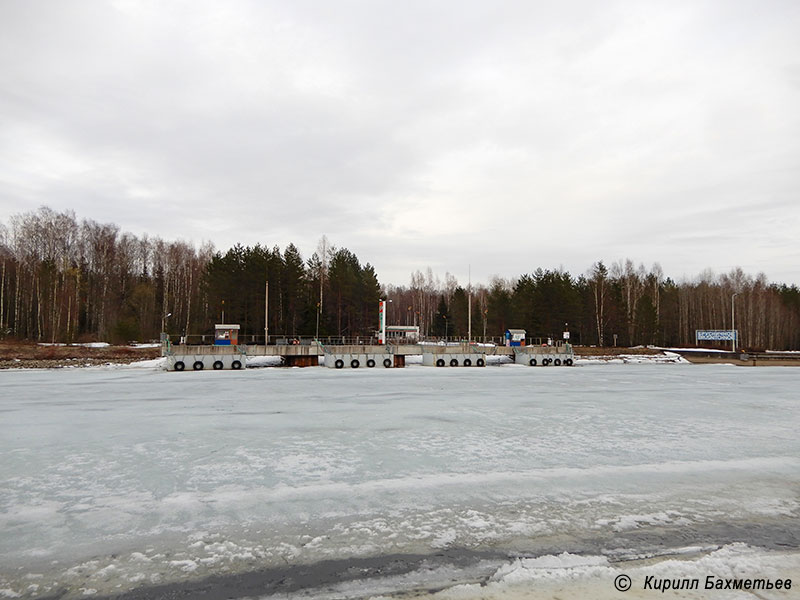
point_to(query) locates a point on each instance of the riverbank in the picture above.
(27, 355)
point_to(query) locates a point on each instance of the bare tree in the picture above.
(598, 280)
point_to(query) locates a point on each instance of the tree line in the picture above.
(618, 304)
(66, 280)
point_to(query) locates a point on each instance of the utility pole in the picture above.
(319, 307)
(322, 248)
(733, 322)
(266, 313)
(469, 305)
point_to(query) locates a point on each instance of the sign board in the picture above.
(566, 335)
(716, 335)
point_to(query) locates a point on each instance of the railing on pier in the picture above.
(339, 340)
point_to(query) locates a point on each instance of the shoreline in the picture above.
(468, 573)
(24, 355)
(553, 563)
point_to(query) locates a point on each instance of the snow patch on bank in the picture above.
(85, 345)
(568, 576)
(153, 363)
(263, 361)
(634, 359)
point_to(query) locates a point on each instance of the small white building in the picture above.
(226, 334)
(407, 334)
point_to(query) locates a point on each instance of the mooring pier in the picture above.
(182, 357)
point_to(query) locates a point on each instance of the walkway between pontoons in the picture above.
(400, 349)
(314, 349)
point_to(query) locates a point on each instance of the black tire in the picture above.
(370, 363)
(532, 362)
(339, 363)
(354, 363)
(480, 362)
(453, 362)
(557, 362)
(236, 365)
(568, 362)
(440, 362)
(467, 362)
(387, 362)
(179, 365)
(198, 365)
(545, 362)
(217, 366)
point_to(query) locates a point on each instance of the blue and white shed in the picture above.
(515, 337)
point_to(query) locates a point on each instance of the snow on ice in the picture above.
(114, 478)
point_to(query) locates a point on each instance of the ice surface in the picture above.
(117, 478)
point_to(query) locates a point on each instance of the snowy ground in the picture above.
(117, 478)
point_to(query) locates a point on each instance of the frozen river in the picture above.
(316, 482)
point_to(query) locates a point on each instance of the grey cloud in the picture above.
(415, 133)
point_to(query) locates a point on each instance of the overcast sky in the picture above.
(502, 135)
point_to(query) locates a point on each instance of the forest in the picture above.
(68, 280)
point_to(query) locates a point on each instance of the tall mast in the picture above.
(469, 305)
